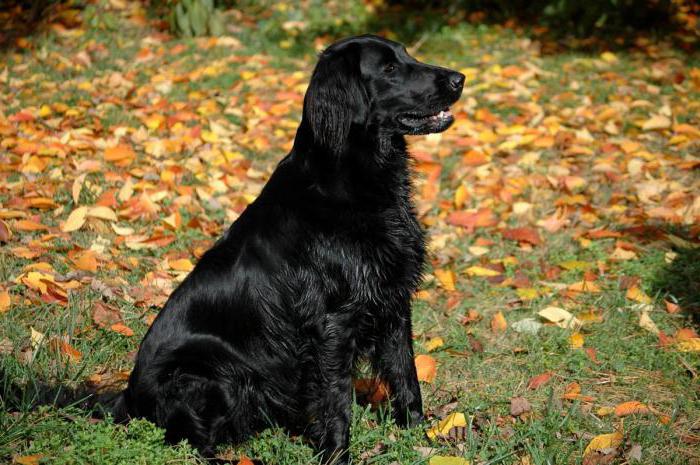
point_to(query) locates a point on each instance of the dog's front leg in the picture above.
(395, 365)
(331, 410)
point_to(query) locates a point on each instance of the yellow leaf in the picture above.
(605, 411)
(78, 187)
(445, 460)
(481, 271)
(35, 338)
(182, 264)
(426, 368)
(103, 213)
(37, 281)
(461, 196)
(689, 345)
(576, 340)
(45, 111)
(75, 220)
(446, 278)
(527, 293)
(647, 323)
(604, 441)
(560, 317)
(478, 251)
(635, 293)
(656, 122)
(498, 323)
(5, 301)
(443, 428)
(608, 57)
(433, 343)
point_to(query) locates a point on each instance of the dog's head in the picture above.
(368, 82)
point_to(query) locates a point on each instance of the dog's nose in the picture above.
(456, 80)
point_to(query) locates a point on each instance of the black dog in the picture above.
(316, 273)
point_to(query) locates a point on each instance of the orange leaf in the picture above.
(121, 154)
(498, 323)
(86, 261)
(537, 381)
(27, 459)
(685, 334)
(122, 329)
(28, 225)
(671, 307)
(62, 347)
(245, 461)
(426, 368)
(5, 301)
(630, 408)
(470, 220)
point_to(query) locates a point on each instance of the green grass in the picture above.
(478, 370)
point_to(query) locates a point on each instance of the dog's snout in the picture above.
(456, 80)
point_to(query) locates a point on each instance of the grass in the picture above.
(479, 370)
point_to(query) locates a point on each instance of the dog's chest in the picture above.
(385, 255)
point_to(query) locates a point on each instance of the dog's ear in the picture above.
(336, 98)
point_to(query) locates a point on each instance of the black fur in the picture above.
(316, 273)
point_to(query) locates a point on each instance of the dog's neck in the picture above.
(370, 163)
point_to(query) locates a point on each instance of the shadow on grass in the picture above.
(680, 279)
(21, 19)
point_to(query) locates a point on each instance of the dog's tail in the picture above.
(16, 396)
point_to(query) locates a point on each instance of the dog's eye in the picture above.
(390, 68)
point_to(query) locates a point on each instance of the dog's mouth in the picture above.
(425, 123)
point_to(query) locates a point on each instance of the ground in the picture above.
(555, 323)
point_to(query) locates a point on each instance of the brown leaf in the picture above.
(105, 315)
(471, 220)
(519, 405)
(528, 235)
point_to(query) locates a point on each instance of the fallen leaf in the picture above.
(518, 406)
(75, 220)
(86, 261)
(630, 408)
(536, 381)
(182, 264)
(446, 278)
(635, 293)
(426, 368)
(576, 340)
(690, 345)
(122, 329)
(433, 343)
(498, 323)
(27, 459)
(560, 317)
(5, 301)
(444, 426)
(528, 235)
(647, 323)
(481, 271)
(447, 460)
(603, 441)
(656, 122)
(672, 307)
